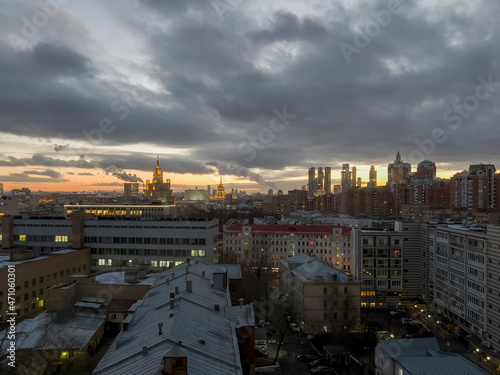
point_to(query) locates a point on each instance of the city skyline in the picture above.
(255, 92)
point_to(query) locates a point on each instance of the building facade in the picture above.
(156, 244)
(266, 245)
(157, 189)
(322, 298)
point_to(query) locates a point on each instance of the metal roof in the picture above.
(193, 325)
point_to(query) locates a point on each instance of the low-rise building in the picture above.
(322, 298)
(34, 275)
(420, 356)
(185, 325)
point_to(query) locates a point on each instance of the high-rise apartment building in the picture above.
(353, 177)
(476, 189)
(130, 190)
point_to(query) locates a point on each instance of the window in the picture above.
(325, 290)
(40, 280)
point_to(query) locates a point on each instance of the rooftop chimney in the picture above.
(176, 290)
(188, 261)
(171, 303)
(189, 286)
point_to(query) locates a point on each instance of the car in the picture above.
(260, 353)
(316, 363)
(321, 370)
(394, 312)
(307, 357)
(294, 327)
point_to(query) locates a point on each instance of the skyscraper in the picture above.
(353, 177)
(157, 189)
(345, 177)
(372, 183)
(310, 182)
(397, 171)
(328, 180)
(319, 180)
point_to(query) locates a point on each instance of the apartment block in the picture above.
(266, 245)
(322, 298)
(34, 275)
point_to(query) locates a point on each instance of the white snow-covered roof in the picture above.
(118, 277)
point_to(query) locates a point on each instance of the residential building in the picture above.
(34, 275)
(130, 190)
(322, 298)
(186, 324)
(266, 245)
(420, 356)
(460, 278)
(476, 189)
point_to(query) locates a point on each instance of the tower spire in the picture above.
(157, 160)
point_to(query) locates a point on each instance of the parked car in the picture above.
(316, 363)
(321, 370)
(260, 353)
(307, 357)
(294, 327)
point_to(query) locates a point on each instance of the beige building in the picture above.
(34, 275)
(322, 298)
(266, 244)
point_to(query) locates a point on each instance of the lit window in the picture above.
(22, 237)
(61, 238)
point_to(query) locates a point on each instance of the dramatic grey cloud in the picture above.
(182, 75)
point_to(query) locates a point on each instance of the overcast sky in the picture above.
(259, 90)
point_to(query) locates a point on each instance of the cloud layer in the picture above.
(200, 84)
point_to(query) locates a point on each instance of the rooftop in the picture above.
(190, 323)
(308, 268)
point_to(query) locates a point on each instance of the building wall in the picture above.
(120, 243)
(320, 305)
(267, 247)
(35, 276)
(493, 287)
(459, 276)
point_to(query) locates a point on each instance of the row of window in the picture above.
(146, 240)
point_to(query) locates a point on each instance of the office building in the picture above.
(311, 182)
(372, 178)
(345, 178)
(328, 180)
(155, 244)
(353, 177)
(144, 211)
